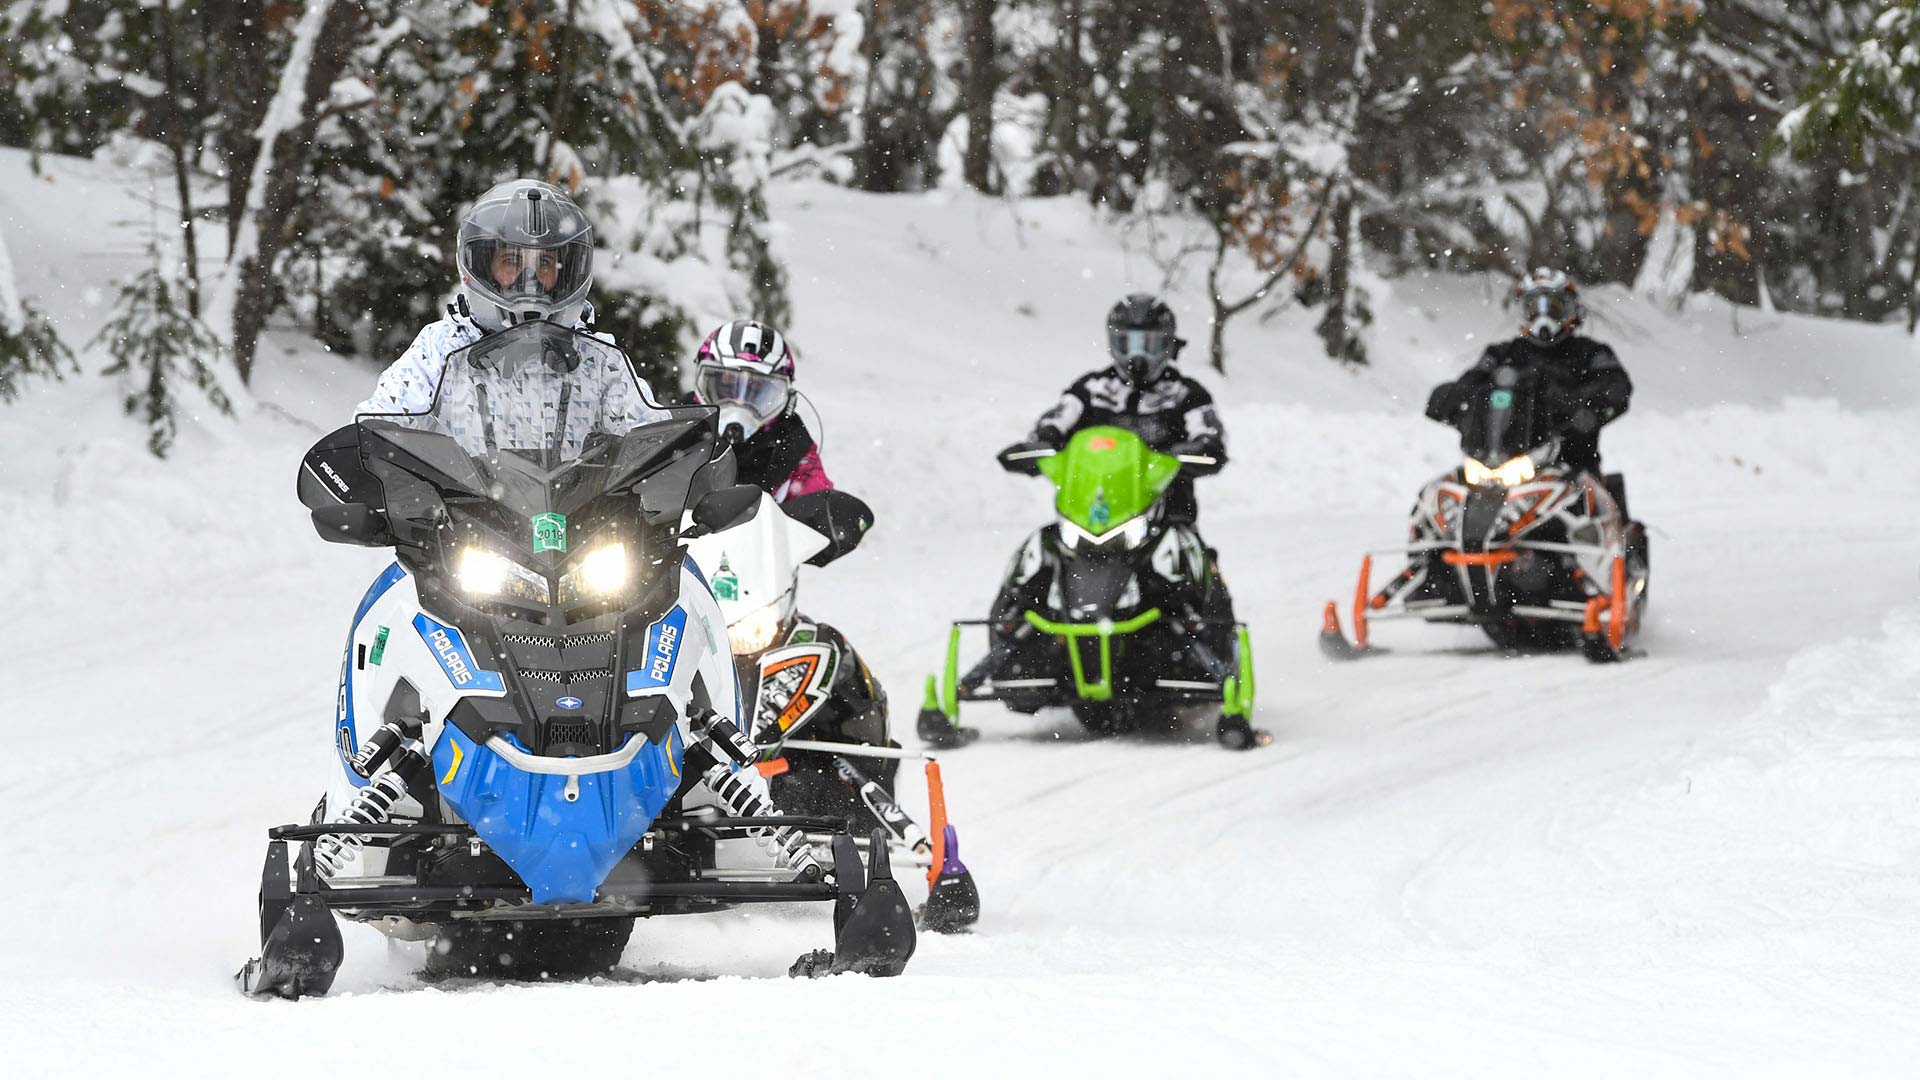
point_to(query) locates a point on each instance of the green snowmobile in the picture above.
(1111, 611)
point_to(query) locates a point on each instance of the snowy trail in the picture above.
(1449, 863)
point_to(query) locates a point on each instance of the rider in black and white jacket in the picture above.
(1140, 390)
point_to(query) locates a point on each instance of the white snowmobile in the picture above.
(1539, 556)
(818, 716)
(535, 701)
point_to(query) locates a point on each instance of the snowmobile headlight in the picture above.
(482, 573)
(754, 632)
(1129, 536)
(604, 570)
(1513, 473)
(601, 573)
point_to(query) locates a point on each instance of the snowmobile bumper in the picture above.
(300, 940)
(1089, 675)
(1605, 618)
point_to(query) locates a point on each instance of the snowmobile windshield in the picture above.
(542, 475)
(1107, 477)
(538, 391)
(1509, 415)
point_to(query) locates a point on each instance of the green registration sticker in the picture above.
(1501, 399)
(549, 533)
(726, 584)
(379, 646)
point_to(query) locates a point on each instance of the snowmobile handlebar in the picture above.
(1024, 457)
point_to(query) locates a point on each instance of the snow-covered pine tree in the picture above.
(28, 344)
(807, 56)
(1854, 138)
(905, 99)
(159, 348)
(636, 106)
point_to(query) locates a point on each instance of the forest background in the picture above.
(310, 160)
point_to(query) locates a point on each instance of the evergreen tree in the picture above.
(158, 348)
(28, 345)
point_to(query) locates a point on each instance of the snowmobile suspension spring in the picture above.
(787, 845)
(372, 805)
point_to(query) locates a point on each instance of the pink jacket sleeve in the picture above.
(808, 477)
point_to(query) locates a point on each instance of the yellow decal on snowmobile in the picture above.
(672, 734)
(453, 768)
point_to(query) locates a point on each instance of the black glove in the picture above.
(1449, 399)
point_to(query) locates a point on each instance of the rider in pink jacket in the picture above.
(746, 368)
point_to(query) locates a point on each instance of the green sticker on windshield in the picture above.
(1501, 399)
(726, 584)
(1100, 514)
(549, 533)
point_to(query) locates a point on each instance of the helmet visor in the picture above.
(510, 273)
(759, 393)
(1547, 304)
(1153, 345)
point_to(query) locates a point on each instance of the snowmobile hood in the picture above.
(1107, 476)
(755, 565)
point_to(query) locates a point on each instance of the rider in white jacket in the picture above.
(525, 252)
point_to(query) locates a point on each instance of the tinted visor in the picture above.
(1546, 304)
(509, 272)
(1151, 344)
(759, 393)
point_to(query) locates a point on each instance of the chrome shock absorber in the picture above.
(786, 844)
(371, 805)
(744, 791)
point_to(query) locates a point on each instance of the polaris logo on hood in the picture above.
(450, 658)
(451, 650)
(664, 648)
(662, 653)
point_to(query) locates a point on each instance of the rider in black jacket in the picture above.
(1593, 388)
(1140, 390)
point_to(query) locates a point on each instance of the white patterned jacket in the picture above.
(524, 412)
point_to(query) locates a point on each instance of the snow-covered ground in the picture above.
(1450, 863)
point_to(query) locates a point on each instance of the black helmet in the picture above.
(1141, 339)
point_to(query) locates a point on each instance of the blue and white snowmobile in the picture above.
(538, 725)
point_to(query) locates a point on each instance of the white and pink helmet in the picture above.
(746, 369)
